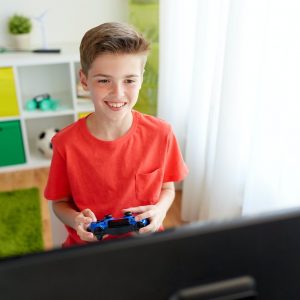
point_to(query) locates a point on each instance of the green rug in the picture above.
(20, 222)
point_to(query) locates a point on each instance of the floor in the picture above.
(38, 177)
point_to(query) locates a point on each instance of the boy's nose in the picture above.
(118, 89)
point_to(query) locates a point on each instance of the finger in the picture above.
(137, 209)
(127, 209)
(146, 215)
(89, 213)
(147, 229)
(80, 228)
(87, 220)
(83, 234)
(79, 216)
(80, 219)
(85, 226)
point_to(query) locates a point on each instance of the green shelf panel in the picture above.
(11, 143)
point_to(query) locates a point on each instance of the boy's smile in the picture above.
(115, 106)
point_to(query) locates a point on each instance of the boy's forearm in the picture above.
(66, 212)
(167, 196)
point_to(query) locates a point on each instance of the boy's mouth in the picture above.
(115, 105)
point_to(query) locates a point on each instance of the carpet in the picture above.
(20, 222)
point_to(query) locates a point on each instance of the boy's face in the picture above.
(114, 81)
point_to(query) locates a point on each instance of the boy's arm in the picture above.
(65, 210)
(156, 213)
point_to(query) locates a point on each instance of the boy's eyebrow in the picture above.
(108, 76)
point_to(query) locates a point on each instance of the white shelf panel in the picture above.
(10, 118)
(69, 53)
(26, 166)
(42, 114)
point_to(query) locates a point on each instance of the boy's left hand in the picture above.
(154, 213)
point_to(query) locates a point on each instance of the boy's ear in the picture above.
(83, 80)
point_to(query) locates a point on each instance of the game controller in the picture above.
(113, 226)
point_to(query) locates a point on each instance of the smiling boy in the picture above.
(116, 159)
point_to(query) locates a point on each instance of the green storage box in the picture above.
(11, 144)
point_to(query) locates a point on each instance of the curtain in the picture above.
(229, 85)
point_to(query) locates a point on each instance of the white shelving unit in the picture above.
(34, 74)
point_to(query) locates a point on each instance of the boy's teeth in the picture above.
(116, 105)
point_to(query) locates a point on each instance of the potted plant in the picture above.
(19, 27)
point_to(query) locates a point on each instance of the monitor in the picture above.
(248, 258)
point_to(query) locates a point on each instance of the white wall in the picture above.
(66, 20)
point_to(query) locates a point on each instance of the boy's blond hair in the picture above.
(115, 38)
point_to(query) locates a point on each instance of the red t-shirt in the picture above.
(108, 176)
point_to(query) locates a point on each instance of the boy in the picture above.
(116, 159)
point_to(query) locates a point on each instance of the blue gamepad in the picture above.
(110, 225)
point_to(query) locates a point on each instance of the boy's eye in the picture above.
(129, 81)
(103, 80)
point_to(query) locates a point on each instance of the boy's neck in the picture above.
(108, 130)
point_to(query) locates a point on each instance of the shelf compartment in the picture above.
(35, 127)
(53, 79)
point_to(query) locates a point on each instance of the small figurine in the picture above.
(42, 102)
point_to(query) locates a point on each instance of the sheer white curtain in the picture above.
(230, 86)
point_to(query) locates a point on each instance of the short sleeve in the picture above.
(58, 186)
(175, 168)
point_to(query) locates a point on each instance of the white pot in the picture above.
(21, 41)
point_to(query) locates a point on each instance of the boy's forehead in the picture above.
(118, 64)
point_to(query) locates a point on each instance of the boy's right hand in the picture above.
(82, 221)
